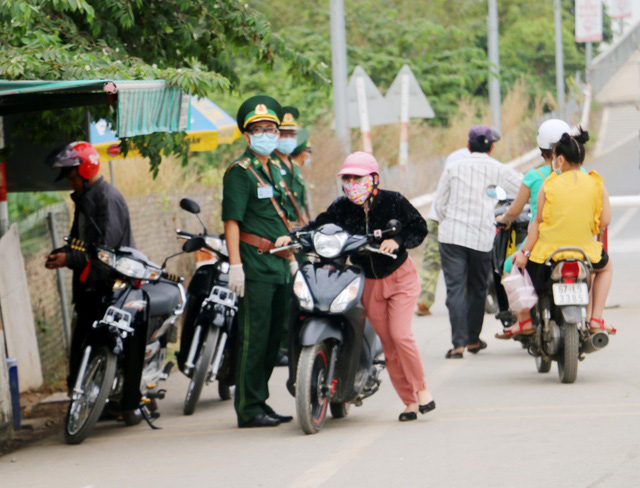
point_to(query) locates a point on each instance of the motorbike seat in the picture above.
(163, 298)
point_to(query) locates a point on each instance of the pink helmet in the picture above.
(359, 164)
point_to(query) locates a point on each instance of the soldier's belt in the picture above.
(263, 245)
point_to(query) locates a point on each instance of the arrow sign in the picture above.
(419, 107)
(406, 98)
(377, 108)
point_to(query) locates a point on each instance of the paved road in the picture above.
(498, 422)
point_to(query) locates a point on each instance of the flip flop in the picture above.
(508, 334)
(477, 349)
(453, 355)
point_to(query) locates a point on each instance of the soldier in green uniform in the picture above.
(254, 216)
(296, 186)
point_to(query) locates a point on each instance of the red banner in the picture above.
(3, 181)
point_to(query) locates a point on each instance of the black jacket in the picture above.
(101, 216)
(385, 206)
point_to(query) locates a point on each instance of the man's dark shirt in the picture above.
(101, 217)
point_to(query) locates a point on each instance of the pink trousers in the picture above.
(389, 303)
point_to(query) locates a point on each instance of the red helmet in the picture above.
(81, 155)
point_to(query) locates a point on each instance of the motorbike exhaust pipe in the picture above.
(596, 341)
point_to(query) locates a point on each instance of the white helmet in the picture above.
(551, 131)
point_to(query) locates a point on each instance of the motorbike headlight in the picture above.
(131, 268)
(106, 257)
(329, 246)
(301, 290)
(345, 297)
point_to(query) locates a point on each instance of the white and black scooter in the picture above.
(141, 309)
(336, 357)
(209, 322)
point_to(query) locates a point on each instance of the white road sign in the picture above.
(376, 110)
(588, 20)
(619, 9)
(419, 107)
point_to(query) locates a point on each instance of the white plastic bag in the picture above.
(520, 291)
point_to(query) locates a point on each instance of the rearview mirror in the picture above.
(193, 244)
(190, 206)
(496, 192)
(393, 227)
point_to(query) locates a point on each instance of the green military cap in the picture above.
(257, 108)
(289, 118)
(303, 142)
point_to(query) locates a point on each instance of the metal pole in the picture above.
(559, 60)
(363, 112)
(404, 122)
(589, 57)
(494, 65)
(339, 73)
(62, 291)
(4, 206)
(111, 173)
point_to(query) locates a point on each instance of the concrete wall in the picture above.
(17, 314)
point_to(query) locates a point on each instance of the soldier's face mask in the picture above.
(286, 145)
(263, 144)
(358, 189)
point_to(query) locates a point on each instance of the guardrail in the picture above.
(626, 201)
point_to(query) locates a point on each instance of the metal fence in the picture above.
(49, 291)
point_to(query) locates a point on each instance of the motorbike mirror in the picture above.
(393, 227)
(193, 244)
(501, 193)
(190, 206)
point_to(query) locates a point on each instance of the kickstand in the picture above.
(147, 417)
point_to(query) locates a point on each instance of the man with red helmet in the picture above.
(101, 216)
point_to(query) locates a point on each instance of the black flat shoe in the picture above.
(453, 355)
(282, 418)
(476, 349)
(428, 407)
(261, 420)
(407, 416)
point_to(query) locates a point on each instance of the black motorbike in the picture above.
(142, 307)
(208, 325)
(336, 357)
(505, 243)
(561, 331)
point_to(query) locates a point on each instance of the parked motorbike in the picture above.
(336, 357)
(141, 310)
(208, 324)
(559, 318)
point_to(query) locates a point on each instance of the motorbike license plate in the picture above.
(570, 294)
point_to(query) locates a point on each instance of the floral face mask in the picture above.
(358, 189)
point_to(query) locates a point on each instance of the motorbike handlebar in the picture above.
(172, 277)
(184, 233)
(378, 251)
(296, 245)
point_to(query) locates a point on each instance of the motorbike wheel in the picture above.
(543, 365)
(132, 417)
(339, 410)
(568, 361)
(83, 413)
(224, 390)
(311, 404)
(201, 370)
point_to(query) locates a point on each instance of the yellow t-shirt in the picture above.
(570, 216)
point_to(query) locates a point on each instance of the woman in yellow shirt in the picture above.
(573, 208)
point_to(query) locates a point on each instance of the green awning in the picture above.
(143, 107)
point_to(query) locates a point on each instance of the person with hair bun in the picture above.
(573, 208)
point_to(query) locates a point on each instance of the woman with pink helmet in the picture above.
(392, 286)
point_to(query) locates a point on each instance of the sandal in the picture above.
(477, 348)
(508, 334)
(611, 331)
(453, 355)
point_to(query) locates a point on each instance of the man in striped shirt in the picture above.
(466, 234)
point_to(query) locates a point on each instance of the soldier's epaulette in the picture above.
(276, 163)
(243, 163)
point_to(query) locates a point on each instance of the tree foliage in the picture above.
(193, 44)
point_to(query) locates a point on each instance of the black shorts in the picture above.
(540, 273)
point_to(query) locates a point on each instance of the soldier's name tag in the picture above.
(283, 172)
(265, 192)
